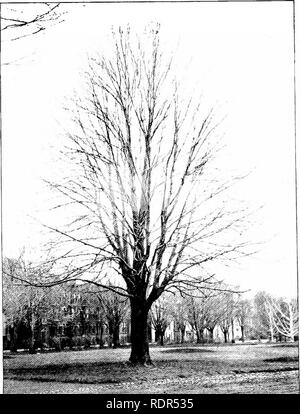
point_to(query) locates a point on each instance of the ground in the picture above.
(188, 369)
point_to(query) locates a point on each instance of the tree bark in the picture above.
(100, 332)
(101, 341)
(271, 334)
(13, 338)
(211, 334)
(116, 336)
(161, 338)
(139, 333)
(32, 349)
(182, 330)
(291, 324)
(157, 335)
(243, 333)
(110, 339)
(232, 332)
(200, 336)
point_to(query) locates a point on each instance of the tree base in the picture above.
(137, 363)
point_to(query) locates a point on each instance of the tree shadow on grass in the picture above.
(285, 345)
(104, 372)
(169, 363)
(282, 359)
(186, 350)
(71, 372)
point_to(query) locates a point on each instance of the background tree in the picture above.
(146, 199)
(25, 305)
(213, 315)
(262, 323)
(94, 300)
(160, 314)
(198, 313)
(179, 313)
(13, 299)
(284, 316)
(226, 309)
(243, 315)
(115, 308)
(87, 306)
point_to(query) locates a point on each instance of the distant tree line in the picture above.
(66, 315)
(81, 315)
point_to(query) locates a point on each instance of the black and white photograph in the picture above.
(149, 199)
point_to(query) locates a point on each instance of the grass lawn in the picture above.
(234, 368)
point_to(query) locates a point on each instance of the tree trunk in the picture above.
(225, 336)
(110, 339)
(291, 324)
(200, 336)
(232, 332)
(243, 333)
(161, 338)
(116, 336)
(100, 332)
(13, 338)
(211, 334)
(271, 333)
(32, 349)
(182, 330)
(139, 333)
(82, 323)
(157, 334)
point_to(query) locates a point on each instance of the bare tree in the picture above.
(284, 316)
(243, 315)
(211, 308)
(226, 309)
(213, 315)
(148, 203)
(23, 20)
(95, 301)
(26, 303)
(115, 309)
(198, 313)
(179, 311)
(262, 324)
(160, 314)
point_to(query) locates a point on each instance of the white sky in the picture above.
(242, 59)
